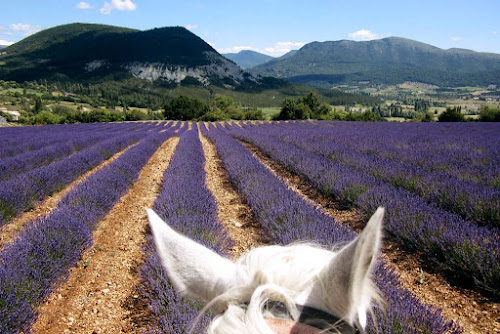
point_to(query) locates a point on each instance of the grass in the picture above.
(20, 91)
(470, 89)
(270, 111)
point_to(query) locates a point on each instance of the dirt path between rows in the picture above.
(234, 214)
(469, 309)
(101, 294)
(43, 208)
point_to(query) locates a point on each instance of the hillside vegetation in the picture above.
(88, 51)
(390, 60)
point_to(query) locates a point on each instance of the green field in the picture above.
(270, 111)
(20, 91)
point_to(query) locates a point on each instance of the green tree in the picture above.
(422, 105)
(184, 108)
(288, 108)
(223, 102)
(428, 117)
(46, 117)
(292, 109)
(135, 115)
(452, 115)
(311, 100)
(38, 104)
(488, 114)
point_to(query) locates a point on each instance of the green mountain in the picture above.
(3, 46)
(246, 58)
(390, 60)
(288, 54)
(90, 52)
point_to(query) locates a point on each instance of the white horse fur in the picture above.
(337, 282)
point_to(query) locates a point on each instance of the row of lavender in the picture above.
(19, 193)
(286, 217)
(468, 253)
(471, 200)
(189, 207)
(47, 248)
(24, 139)
(69, 142)
(469, 151)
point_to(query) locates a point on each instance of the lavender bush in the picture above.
(471, 200)
(70, 143)
(20, 140)
(286, 217)
(468, 254)
(469, 151)
(19, 193)
(44, 251)
(187, 205)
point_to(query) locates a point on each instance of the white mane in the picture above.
(336, 282)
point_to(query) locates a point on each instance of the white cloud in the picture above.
(364, 35)
(83, 5)
(276, 50)
(281, 48)
(26, 29)
(456, 38)
(192, 26)
(118, 5)
(236, 49)
(2, 42)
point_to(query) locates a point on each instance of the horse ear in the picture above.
(347, 278)
(193, 269)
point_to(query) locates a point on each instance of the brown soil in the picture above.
(234, 214)
(43, 208)
(469, 309)
(101, 294)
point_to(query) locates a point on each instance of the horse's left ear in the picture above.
(193, 269)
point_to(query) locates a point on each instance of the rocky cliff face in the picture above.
(218, 68)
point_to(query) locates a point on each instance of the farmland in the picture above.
(76, 254)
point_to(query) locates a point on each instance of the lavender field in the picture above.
(439, 182)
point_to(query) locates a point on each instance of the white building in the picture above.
(15, 114)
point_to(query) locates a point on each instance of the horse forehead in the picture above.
(296, 253)
(284, 260)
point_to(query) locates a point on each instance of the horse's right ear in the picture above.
(347, 278)
(193, 269)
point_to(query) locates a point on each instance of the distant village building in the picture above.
(3, 120)
(15, 114)
(492, 87)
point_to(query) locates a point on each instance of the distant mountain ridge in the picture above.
(86, 52)
(390, 60)
(247, 58)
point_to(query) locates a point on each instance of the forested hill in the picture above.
(390, 60)
(89, 51)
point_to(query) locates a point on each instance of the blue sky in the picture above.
(272, 26)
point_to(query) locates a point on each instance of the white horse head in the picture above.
(276, 289)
